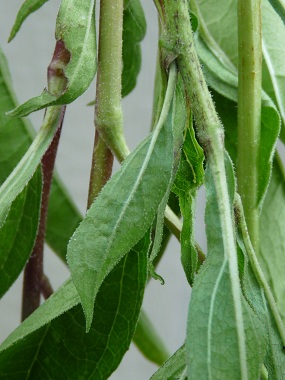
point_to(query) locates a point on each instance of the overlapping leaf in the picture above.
(28, 7)
(218, 344)
(54, 339)
(134, 29)
(75, 26)
(123, 211)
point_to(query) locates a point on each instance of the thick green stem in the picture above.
(249, 111)
(108, 109)
(179, 44)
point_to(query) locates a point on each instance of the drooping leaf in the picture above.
(15, 138)
(232, 348)
(173, 368)
(134, 29)
(18, 234)
(130, 200)
(279, 7)
(55, 333)
(75, 26)
(28, 7)
(256, 297)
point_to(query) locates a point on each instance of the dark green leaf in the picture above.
(28, 7)
(279, 7)
(134, 30)
(173, 368)
(17, 235)
(232, 348)
(55, 333)
(75, 26)
(130, 200)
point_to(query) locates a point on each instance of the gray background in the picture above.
(28, 56)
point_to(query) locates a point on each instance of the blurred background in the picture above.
(28, 56)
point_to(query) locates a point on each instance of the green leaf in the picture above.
(134, 29)
(173, 368)
(75, 26)
(55, 333)
(130, 200)
(18, 234)
(254, 294)
(272, 235)
(28, 7)
(230, 347)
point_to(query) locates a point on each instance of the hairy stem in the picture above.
(179, 44)
(249, 111)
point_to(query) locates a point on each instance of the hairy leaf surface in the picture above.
(134, 29)
(55, 333)
(75, 26)
(214, 335)
(28, 7)
(121, 213)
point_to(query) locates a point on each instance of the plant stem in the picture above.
(34, 279)
(108, 109)
(179, 44)
(249, 111)
(101, 170)
(35, 282)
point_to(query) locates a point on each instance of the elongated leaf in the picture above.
(133, 32)
(75, 26)
(254, 294)
(279, 7)
(173, 368)
(231, 348)
(179, 122)
(130, 200)
(272, 234)
(19, 232)
(28, 7)
(55, 333)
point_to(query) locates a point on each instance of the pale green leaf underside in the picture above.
(279, 7)
(214, 348)
(28, 7)
(75, 26)
(173, 368)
